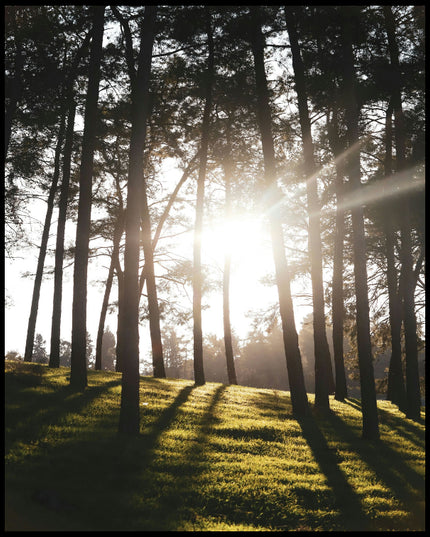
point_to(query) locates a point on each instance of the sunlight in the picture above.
(244, 237)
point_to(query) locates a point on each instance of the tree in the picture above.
(43, 246)
(370, 429)
(294, 365)
(413, 397)
(323, 375)
(40, 356)
(129, 343)
(54, 357)
(78, 373)
(199, 376)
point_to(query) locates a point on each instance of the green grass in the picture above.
(212, 457)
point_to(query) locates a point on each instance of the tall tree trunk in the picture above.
(199, 376)
(228, 344)
(128, 344)
(78, 372)
(54, 357)
(396, 392)
(324, 383)
(367, 379)
(341, 389)
(119, 337)
(413, 396)
(43, 245)
(154, 313)
(294, 363)
(119, 228)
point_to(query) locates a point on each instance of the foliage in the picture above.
(213, 457)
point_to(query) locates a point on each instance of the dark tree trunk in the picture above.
(43, 245)
(324, 383)
(294, 363)
(228, 344)
(367, 379)
(396, 392)
(199, 375)
(119, 228)
(413, 396)
(78, 372)
(341, 389)
(119, 337)
(128, 341)
(54, 357)
(154, 313)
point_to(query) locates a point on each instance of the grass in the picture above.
(210, 457)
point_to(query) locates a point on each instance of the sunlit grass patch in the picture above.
(209, 457)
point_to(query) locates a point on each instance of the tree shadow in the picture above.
(347, 501)
(195, 461)
(389, 466)
(23, 423)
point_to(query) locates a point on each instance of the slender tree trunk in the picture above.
(78, 372)
(396, 392)
(341, 390)
(294, 363)
(323, 370)
(228, 344)
(154, 313)
(54, 358)
(43, 245)
(119, 228)
(367, 379)
(413, 396)
(128, 344)
(119, 336)
(199, 376)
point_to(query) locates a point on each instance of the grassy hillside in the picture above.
(213, 457)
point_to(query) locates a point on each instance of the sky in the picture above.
(251, 260)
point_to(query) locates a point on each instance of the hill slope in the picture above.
(213, 457)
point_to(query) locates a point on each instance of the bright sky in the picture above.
(252, 259)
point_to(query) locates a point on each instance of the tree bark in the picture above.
(199, 375)
(294, 364)
(228, 344)
(413, 395)
(341, 389)
(43, 245)
(128, 344)
(119, 228)
(154, 313)
(78, 372)
(324, 383)
(54, 357)
(396, 392)
(370, 429)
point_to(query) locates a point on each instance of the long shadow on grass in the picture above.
(347, 501)
(195, 462)
(165, 419)
(405, 427)
(23, 424)
(406, 484)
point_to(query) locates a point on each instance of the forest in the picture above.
(178, 150)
